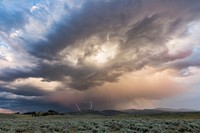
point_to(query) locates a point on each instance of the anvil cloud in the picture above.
(118, 54)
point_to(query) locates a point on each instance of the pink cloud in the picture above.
(6, 111)
(141, 89)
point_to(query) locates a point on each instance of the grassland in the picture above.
(124, 123)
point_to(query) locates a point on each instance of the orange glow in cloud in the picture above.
(139, 89)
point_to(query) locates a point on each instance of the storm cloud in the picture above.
(100, 51)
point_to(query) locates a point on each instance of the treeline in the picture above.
(49, 112)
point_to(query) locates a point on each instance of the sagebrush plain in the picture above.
(124, 123)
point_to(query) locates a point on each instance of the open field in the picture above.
(155, 123)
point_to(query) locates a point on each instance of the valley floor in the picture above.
(175, 123)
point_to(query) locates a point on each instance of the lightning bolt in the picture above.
(78, 107)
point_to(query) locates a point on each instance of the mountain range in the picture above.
(132, 111)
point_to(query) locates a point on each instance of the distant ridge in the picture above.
(115, 112)
(158, 110)
(131, 111)
(176, 110)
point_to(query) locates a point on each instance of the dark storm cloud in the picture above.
(24, 105)
(25, 90)
(142, 24)
(95, 17)
(139, 28)
(9, 74)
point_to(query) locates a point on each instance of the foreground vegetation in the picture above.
(155, 123)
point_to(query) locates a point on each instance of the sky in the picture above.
(99, 54)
